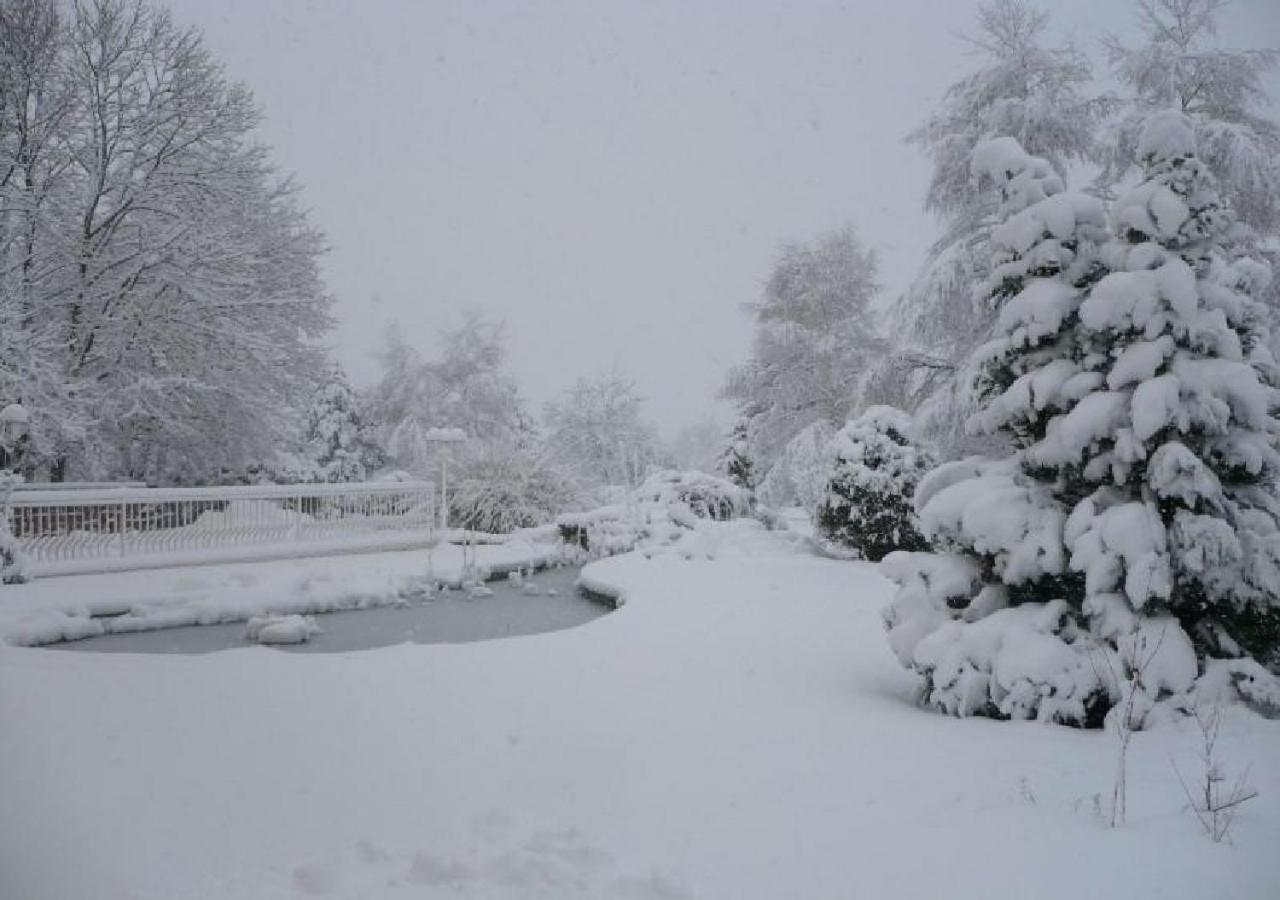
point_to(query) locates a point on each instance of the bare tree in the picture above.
(598, 434)
(1218, 797)
(161, 293)
(814, 345)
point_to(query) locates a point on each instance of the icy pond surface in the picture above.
(449, 617)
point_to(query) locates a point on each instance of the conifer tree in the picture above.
(737, 458)
(340, 444)
(1034, 93)
(1135, 382)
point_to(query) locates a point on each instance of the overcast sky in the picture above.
(611, 179)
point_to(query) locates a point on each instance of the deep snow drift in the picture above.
(738, 729)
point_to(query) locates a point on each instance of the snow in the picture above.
(1122, 547)
(739, 729)
(800, 475)
(292, 629)
(1167, 134)
(76, 606)
(1013, 658)
(1037, 311)
(1003, 515)
(1024, 180)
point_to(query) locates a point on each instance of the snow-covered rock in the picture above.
(292, 629)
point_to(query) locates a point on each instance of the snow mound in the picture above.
(1166, 135)
(291, 629)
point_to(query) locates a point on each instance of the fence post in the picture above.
(120, 528)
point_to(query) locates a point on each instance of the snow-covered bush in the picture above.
(1134, 380)
(664, 510)
(867, 503)
(501, 489)
(705, 496)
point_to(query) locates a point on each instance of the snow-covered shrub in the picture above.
(867, 502)
(501, 489)
(13, 562)
(662, 511)
(703, 495)
(799, 477)
(1134, 380)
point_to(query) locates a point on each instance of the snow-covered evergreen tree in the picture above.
(736, 461)
(1035, 94)
(1222, 91)
(876, 468)
(967, 615)
(1135, 382)
(1180, 65)
(342, 447)
(1189, 404)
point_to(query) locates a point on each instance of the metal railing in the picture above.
(106, 528)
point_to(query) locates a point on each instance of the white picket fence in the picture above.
(106, 528)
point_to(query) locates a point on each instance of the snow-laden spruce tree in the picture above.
(1180, 64)
(339, 443)
(986, 618)
(1035, 93)
(1180, 439)
(875, 470)
(1137, 518)
(736, 461)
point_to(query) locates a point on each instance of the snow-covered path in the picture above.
(737, 730)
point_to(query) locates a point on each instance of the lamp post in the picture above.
(444, 437)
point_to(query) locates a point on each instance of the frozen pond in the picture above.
(450, 617)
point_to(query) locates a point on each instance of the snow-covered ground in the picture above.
(738, 729)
